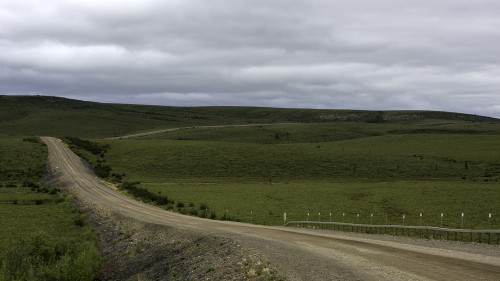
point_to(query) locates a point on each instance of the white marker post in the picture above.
(442, 220)
(307, 216)
(343, 217)
(403, 220)
(284, 218)
(357, 217)
(462, 225)
(319, 216)
(420, 222)
(371, 218)
(330, 217)
(489, 221)
(251, 216)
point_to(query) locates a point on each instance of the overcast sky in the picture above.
(357, 54)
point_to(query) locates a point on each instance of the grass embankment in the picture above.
(35, 216)
(392, 173)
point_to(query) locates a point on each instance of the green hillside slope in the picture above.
(41, 115)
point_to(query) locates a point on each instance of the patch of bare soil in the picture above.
(135, 250)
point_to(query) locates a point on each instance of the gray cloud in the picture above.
(383, 54)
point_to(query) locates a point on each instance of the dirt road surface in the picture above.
(301, 254)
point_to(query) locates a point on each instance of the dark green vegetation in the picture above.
(389, 157)
(391, 174)
(33, 218)
(38, 115)
(22, 161)
(93, 153)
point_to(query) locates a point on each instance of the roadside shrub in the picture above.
(180, 205)
(101, 170)
(144, 194)
(117, 177)
(79, 221)
(193, 212)
(29, 183)
(54, 191)
(32, 139)
(38, 202)
(203, 214)
(94, 148)
(203, 206)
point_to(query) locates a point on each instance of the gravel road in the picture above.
(300, 254)
(193, 127)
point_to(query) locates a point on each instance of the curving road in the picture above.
(306, 255)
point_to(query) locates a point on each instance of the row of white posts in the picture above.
(404, 216)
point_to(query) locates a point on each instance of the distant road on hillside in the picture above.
(193, 127)
(311, 255)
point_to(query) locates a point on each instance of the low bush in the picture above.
(32, 139)
(79, 221)
(203, 206)
(144, 194)
(101, 170)
(94, 148)
(193, 212)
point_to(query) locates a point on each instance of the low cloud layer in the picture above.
(383, 54)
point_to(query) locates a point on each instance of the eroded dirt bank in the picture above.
(134, 250)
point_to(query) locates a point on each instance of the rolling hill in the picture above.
(44, 115)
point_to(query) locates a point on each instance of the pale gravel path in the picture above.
(155, 132)
(301, 254)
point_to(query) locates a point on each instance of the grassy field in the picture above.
(33, 218)
(322, 132)
(390, 157)
(379, 171)
(265, 204)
